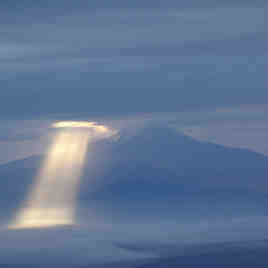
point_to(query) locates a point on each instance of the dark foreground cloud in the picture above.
(62, 246)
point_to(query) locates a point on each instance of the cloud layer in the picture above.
(99, 59)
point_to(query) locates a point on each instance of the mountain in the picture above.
(157, 167)
(158, 170)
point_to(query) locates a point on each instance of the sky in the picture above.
(196, 67)
(98, 59)
(62, 59)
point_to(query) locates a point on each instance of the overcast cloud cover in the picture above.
(99, 58)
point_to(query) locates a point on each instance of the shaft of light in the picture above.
(52, 200)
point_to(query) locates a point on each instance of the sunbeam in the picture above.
(52, 199)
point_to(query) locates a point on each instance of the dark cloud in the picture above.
(219, 255)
